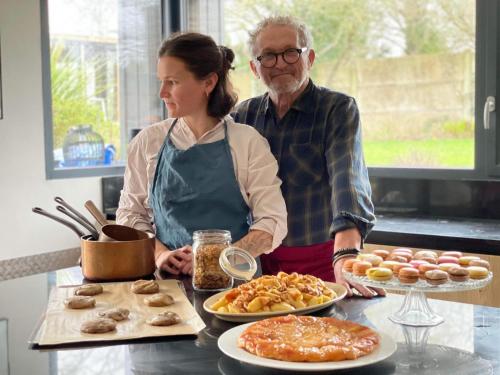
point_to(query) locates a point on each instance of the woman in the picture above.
(199, 169)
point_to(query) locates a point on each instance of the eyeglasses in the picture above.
(290, 56)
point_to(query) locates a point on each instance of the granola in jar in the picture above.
(207, 247)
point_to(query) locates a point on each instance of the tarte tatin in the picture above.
(308, 339)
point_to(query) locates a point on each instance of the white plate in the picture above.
(340, 290)
(228, 344)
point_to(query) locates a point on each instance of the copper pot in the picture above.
(120, 260)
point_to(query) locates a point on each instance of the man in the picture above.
(315, 134)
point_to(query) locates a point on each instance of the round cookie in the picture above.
(447, 259)
(408, 275)
(159, 300)
(458, 274)
(381, 253)
(465, 260)
(456, 254)
(423, 268)
(348, 263)
(145, 287)
(99, 325)
(79, 302)
(399, 266)
(375, 260)
(359, 268)
(117, 314)
(477, 273)
(88, 290)
(436, 277)
(166, 318)
(390, 264)
(480, 263)
(379, 274)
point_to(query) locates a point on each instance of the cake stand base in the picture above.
(415, 311)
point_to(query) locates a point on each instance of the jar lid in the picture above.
(238, 263)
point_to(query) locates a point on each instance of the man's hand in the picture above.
(178, 261)
(366, 292)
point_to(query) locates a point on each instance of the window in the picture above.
(100, 83)
(420, 71)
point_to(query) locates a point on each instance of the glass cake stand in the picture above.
(415, 310)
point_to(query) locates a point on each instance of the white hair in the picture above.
(305, 37)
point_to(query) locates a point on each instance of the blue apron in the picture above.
(196, 189)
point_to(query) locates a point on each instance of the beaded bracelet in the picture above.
(337, 259)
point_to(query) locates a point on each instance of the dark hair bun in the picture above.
(227, 57)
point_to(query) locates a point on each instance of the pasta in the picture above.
(283, 292)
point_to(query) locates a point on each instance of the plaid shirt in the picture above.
(318, 147)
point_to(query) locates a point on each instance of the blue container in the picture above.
(83, 147)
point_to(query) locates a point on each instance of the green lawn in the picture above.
(439, 153)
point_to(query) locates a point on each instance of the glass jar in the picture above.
(207, 247)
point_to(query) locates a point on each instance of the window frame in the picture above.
(169, 23)
(487, 82)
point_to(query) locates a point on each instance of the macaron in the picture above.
(348, 263)
(403, 250)
(416, 263)
(477, 273)
(436, 277)
(480, 263)
(425, 254)
(402, 254)
(375, 260)
(423, 268)
(359, 268)
(408, 275)
(447, 259)
(465, 260)
(379, 274)
(389, 264)
(398, 258)
(399, 266)
(455, 254)
(381, 253)
(458, 274)
(446, 266)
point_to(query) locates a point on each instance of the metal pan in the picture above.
(63, 203)
(93, 231)
(40, 211)
(114, 232)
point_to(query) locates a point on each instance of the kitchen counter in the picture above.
(466, 343)
(469, 235)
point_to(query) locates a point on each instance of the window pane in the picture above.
(103, 77)
(409, 64)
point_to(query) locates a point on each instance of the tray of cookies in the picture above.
(107, 312)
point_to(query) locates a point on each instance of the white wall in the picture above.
(22, 158)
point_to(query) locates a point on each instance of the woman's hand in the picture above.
(366, 292)
(178, 261)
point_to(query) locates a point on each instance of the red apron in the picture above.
(314, 260)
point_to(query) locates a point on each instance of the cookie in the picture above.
(79, 302)
(159, 300)
(145, 287)
(166, 318)
(88, 290)
(99, 325)
(117, 314)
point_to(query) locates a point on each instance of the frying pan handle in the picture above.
(38, 210)
(96, 213)
(63, 203)
(89, 227)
